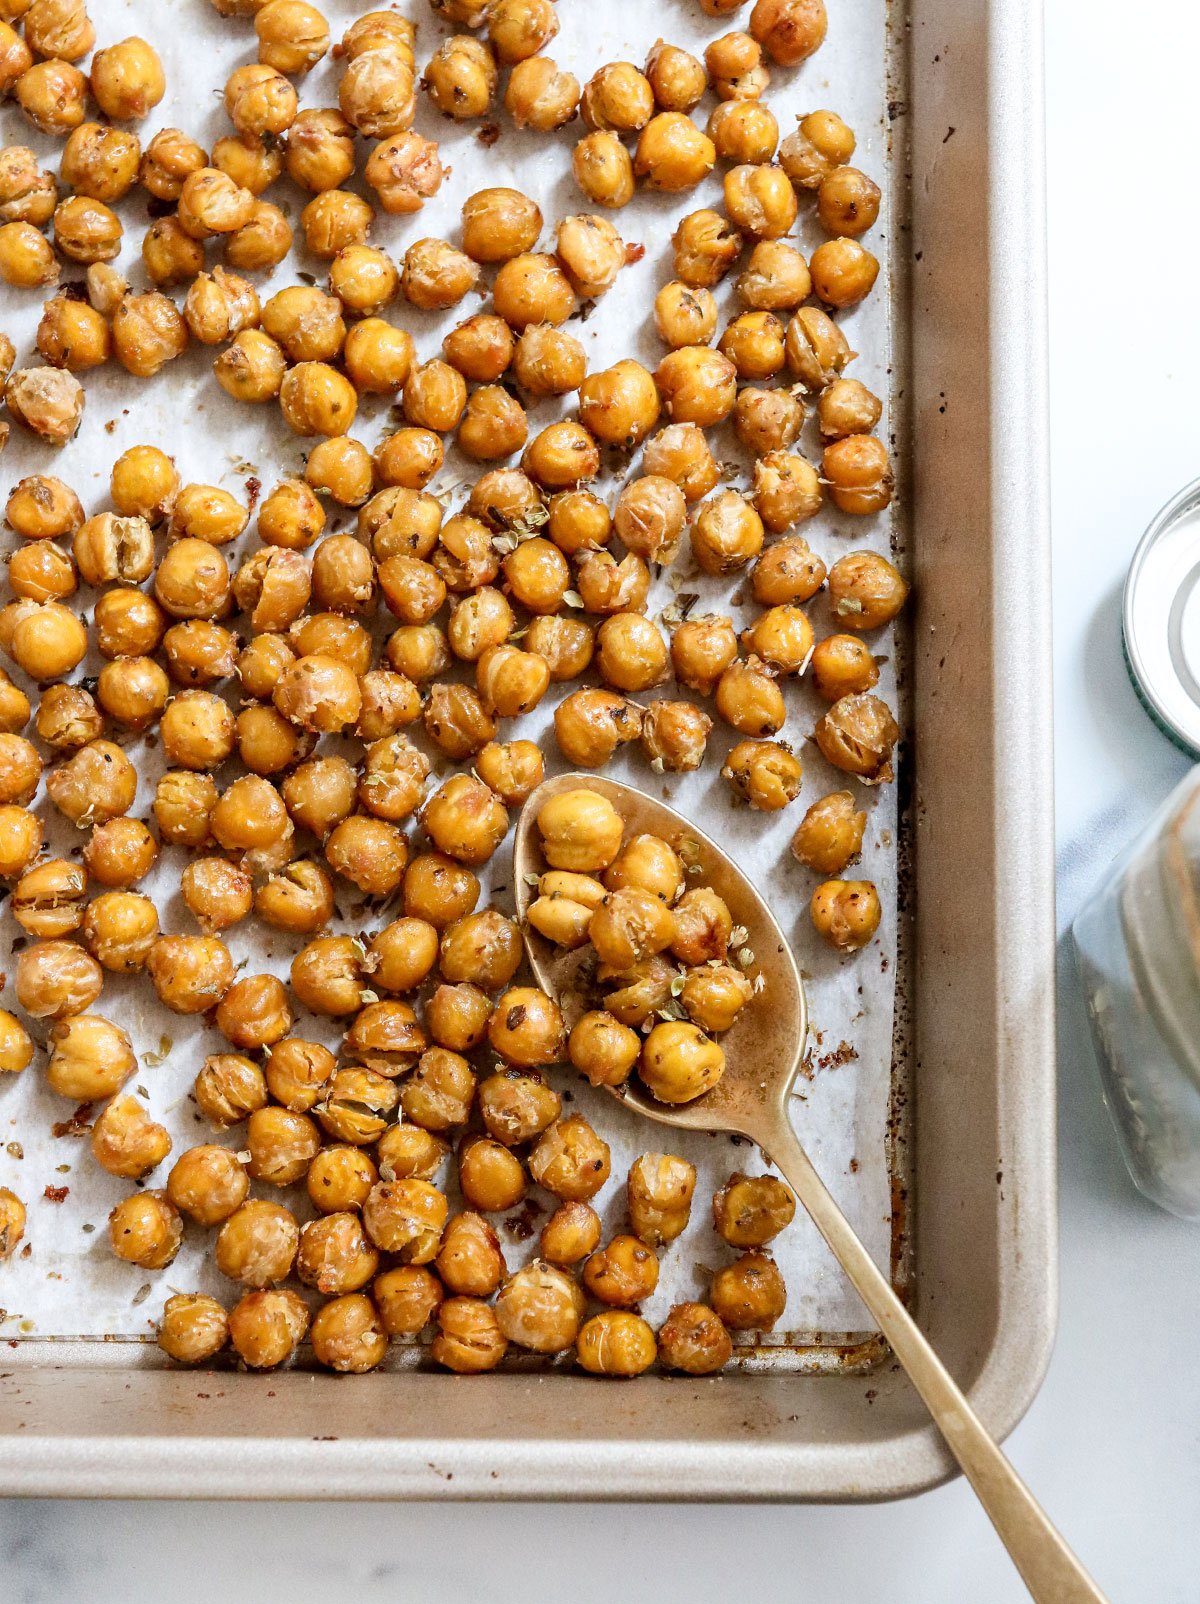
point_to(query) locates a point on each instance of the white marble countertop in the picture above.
(1112, 1444)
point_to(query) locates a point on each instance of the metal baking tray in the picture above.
(973, 1211)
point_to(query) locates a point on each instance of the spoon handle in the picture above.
(1048, 1567)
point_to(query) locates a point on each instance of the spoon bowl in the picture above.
(764, 1047)
(763, 1052)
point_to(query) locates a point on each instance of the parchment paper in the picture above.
(70, 1284)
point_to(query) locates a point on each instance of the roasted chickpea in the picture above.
(681, 453)
(679, 1062)
(674, 735)
(339, 1179)
(266, 1328)
(12, 1223)
(169, 158)
(73, 335)
(347, 1335)
(846, 913)
(40, 572)
(750, 1210)
(377, 94)
(249, 159)
(541, 95)
(617, 97)
(146, 1229)
(749, 699)
(511, 681)
(99, 162)
(127, 79)
(843, 272)
(89, 1057)
(406, 1217)
(251, 368)
(409, 458)
(465, 820)
(749, 1295)
(182, 805)
(369, 852)
(41, 507)
(673, 154)
(190, 973)
(589, 726)
(623, 1273)
(461, 77)
(499, 225)
(260, 100)
(457, 1016)
(407, 1298)
(697, 385)
(16, 56)
(726, 534)
(292, 35)
(357, 1106)
(197, 730)
(693, 1339)
(199, 651)
(821, 143)
(512, 769)
(148, 331)
(257, 1244)
(27, 258)
(208, 1183)
(341, 468)
(316, 399)
(540, 1307)
(438, 890)
(789, 30)
(816, 348)
(119, 929)
(49, 900)
(677, 79)
(615, 1343)
(631, 652)
(217, 892)
(228, 1088)
(857, 735)
(53, 96)
(570, 1160)
(562, 456)
(744, 131)
(27, 193)
(469, 1339)
(493, 425)
(262, 241)
(765, 774)
(603, 169)
(564, 643)
(95, 784)
(830, 834)
(701, 650)
(46, 401)
(318, 693)
(281, 1145)
(865, 591)
(435, 396)
(326, 976)
(254, 1012)
(169, 254)
(20, 839)
(404, 171)
(470, 1261)
(842, 665)
(120, 852)
(193, 1329)
(659, 1197)
(490, 1175)
(532, 288)
(526, 1028)
(481, 348)
(847, 203)
(125, 1142)
(564, 906)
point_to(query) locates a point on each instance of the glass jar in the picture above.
(1137, 947)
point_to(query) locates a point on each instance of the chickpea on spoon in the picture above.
(574, 826)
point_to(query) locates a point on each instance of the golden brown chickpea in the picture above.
(47, 641)
(603, 169)
(20, 839)
(368, 852)
(564, 643)
(782, 637)
(617, 97)
(347, 1335)
(674, 735)
(857, 735)
(541, 95)
(457, 721)
(193, 1329)
(182, 805)
(457, 1016)
(49, 900)
(516, 1106)
(579, 521)
(14, 704)
(339, 1179)
(735, 65)
(260, 100)
(46, 401)
(197, 730)
(765, 774)
(789, 30)
(357, 1106)
(659, 1197)
(465, 820)
(615, 1343)
(589, 726)
(377, 30)
(252, 368)
(499, 225)
(406, 1217)
(479, 622)
(119, 929)
(865, 590)
(407, 1298)
(750, 1210)
(843, 272)
(693, 1339)
(481, 348)
(701, 650)
(249, 159)
(267, 744)
(830, 834)
(12, 1224)
(377, 93)
(261, 242)
(169, 158)
(341, 468)
(490, 1176)
(564, 906)
(125, 1142)
(146, 1229)
(512, 769)
(99, 162)
(292, 35)
(493, 425)
(254, 1012)
(281, 1145)
(821, 143)
(217, 892)
(190, 973)
(89, 1057)
(266, 1328)
(470, 1261)
(678, 80)
(438, 890)
(169, 254)
(540, 1307)
(404, 171)
(43, 508)
(306, 322)
(726, 534)
(581, 831)
(570, 1234)
(261, 662)
(787, 572)
(72, 335)
(744, 132)
(27, 258)
(438, 1093)
(846, 913)
(27, 193)
(754, 344)
(591, 252)
(409, 458)
(127, 79)
(461, 77)
(469, 1339)
(749, 1295)
(562, 456)
(298, 1072)
(120, 852)
(96, 784)
(394, 781)
(148, 331)
(749, 699)
(320, 150)
(326, 975)
(39, 573)
(532, 288)
(631, 652)
(208, 1183)
(842, 665)
(570, 1160)
(673, 154)
(680, 453)
(15, 56)
(318, 693)
(816, 348)
(697, 385)
(619, 406)
(518, 29)
(435, 395)
(290, 516)
(257, 1244)
(109, 547)
(481, 948)
(228, 1088)
(206, 513)
(53, 96)
(404, 953)
(199, 651)
(679, 1062)
(334, 220)
(511, 681)
(210, 203)
(847, 202)
(629, 926)
(526, 1028)
(623, 1273)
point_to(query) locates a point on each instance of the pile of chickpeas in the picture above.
(535, 581)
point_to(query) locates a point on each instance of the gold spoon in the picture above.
(763, 1052)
